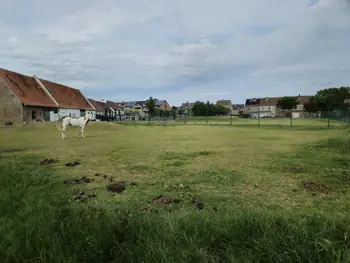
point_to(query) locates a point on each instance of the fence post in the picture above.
(291, 117)
(328, 122)
(134, 119)
(230, 119)
(259, 115)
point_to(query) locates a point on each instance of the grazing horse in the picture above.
(75, 122)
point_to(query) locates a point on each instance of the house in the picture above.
(236, 108)
(227, 104)
(186, 107)
(163, 105)
(26, 99)
(100, 108)
(142, 106)
(267, 107)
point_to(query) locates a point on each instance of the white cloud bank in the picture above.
(180, 50)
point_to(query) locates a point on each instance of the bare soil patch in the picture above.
(315, 187)
(72, 164)
(295, 169)
(80, 180)
(48, 161)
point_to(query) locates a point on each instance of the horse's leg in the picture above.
(82, 131)
(63, 132)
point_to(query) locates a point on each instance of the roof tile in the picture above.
(26, 89)
(66, 97)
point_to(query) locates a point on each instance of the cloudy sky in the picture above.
(181, 50)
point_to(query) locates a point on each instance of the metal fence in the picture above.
(321, 119)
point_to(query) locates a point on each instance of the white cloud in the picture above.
(180, 50)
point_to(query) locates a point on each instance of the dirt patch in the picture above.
(81, 180)
(48, 161)
(12, 150)
(148, 209)
(314, 187)
(198, 204)
(117, 187)
(72, 164)
(294, 169)
(81, 196)
(161, 200)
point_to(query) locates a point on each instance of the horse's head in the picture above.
(88, 116)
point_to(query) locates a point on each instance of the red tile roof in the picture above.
(99, 106)
(26, 89)
(66, 97)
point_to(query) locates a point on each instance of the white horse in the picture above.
(75, 122)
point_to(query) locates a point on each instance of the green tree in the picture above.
(311, 106)
(332, 98)
(151, 106)
(288, 103)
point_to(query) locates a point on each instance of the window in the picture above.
(269, 108)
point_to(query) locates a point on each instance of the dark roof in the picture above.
(273, 101)
(237, 106)
(224, 102)
(26, 89)
(112, 104)
(66, 97)
(99, 106)
(141, 102)
(186, 105)
(161, 102)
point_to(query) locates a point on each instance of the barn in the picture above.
(31, 99)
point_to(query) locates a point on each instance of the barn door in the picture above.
(46, 116)
(82, 113)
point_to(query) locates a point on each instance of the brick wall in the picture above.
(10, 107)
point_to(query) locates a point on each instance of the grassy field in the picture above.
(230, 194)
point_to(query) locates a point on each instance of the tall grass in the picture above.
(39, 223)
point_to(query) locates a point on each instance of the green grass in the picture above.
(256, 208)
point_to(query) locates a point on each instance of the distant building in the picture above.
(186, 106)
(267, 107)
(163, 105)
(227, 104)
(236, 108)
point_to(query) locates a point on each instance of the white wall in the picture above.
(65, 112)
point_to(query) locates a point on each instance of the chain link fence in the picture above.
(321, 119)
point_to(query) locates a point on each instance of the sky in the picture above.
(183, 50)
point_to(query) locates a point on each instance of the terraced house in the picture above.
(27, 99)
(267, 107)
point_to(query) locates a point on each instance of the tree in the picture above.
(151, 106)
(288, 103)
(332, 98)
(311, 106)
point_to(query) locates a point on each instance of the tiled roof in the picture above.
(161, 102)
(273, 101)
(26, 89)
(187, 105)
(99, 106)
(112, 104)
(224, 102)
(66, 97)
(237, 106)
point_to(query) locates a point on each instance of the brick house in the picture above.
(163, 105)
(27, 99)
